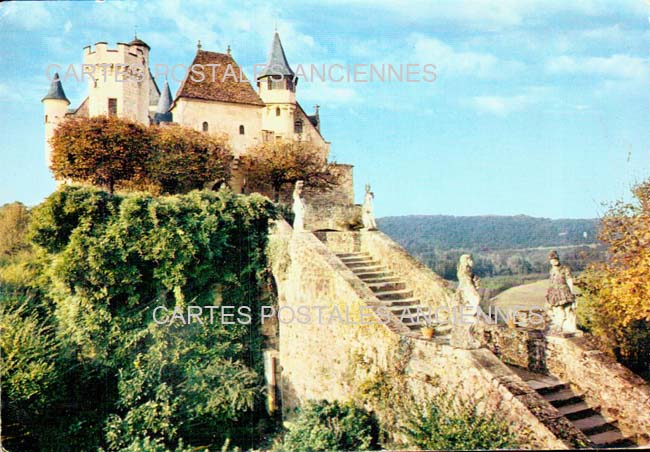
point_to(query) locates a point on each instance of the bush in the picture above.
(124, 382)
(445, 422)
(615, 305)
(119, 153)
(329, 426)
(14, 219)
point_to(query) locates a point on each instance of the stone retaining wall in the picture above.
(620, 394)
(334, 360)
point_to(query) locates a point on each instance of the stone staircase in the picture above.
(389, 289)
(601, 433)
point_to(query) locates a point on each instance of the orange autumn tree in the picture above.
(279, 164)
(185, 159)
(616, 293)
(100, 150)
(119, 153)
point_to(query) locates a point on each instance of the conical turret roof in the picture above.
(164, 103)
(56, 90)
(277, 63)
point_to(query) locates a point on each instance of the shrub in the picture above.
(185, 159)
(328, 426)
(616, 292)
(444, 422)
(14, 219)
(100, 150)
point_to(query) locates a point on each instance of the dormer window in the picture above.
(241, 130)
(204, 127)
(297, 126)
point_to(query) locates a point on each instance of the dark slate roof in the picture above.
(313, 119)
(139, 42)
(56, 90)
(154, 92)
(277, 63)
(225, 86)
(164, 103)
(81, 111)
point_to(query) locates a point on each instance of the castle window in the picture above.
(112, 107)
(269, 83)
(204, 127)
(45, 119)
(241, 130)
(297, 127)
(277, 111)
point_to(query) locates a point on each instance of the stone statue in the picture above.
(560, 297)
(467, 305)
(367, 216)
(298, 208)
(467, 291)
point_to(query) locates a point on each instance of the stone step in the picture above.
(374, 275)
(611, 438)
(402, 303)
(361, 263)
(346, 255)
(386, 286)
(385, 279)
(563, 397)
(577, 410)
(397, 309)
(546, 388)
(394, 294)
(593, 424)
(368, 269)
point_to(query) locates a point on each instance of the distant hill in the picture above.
(422, 233)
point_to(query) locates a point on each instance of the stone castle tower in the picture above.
(55, 104)
(276, 86)
(109, 91)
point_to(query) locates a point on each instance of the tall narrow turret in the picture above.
(277, 88)
(164, 104)
(55, 104)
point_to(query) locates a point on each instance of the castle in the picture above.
(217, 103)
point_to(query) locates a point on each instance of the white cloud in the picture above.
(24, 15)
(500, 105)
(67, 26)
(8, 95)
(450, 61)
(617, 66)
(490, 14)
(329, 93)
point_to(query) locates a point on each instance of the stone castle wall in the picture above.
(337, 360)
(620, 394)
(606, 384)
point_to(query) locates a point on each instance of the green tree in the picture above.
(445, 422)
(616, 295)
(185, 159)
(135, 383)
(331, 426)
(14, 219)
(277, 164)
(100, 150)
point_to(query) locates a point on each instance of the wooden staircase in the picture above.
(571, 405)
(391, 291)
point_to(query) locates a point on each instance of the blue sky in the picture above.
(539, 107)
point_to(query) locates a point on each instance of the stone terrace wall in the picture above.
(621, 394)
(429, 287)
(337, 360)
